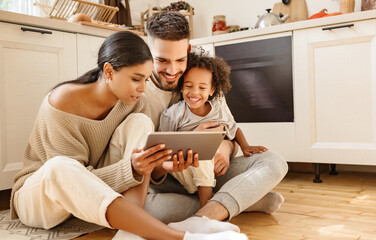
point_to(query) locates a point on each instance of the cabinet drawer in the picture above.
(13, 33)
(342, 31)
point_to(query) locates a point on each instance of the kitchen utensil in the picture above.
(270, 19)
(64, 9)
(296, 9)
(347, 6)
(85, 13)
(110, 26)
(280, 8)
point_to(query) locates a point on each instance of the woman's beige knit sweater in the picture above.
(58, 133)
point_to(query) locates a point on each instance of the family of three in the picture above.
(85, 156)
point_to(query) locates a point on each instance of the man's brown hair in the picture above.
(168, 25)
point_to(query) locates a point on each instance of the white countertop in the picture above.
(339, 19)
(59, 25)
(52, 24)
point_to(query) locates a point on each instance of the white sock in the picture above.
(228, 235)
(123, 235)
(270, 203)
(203, 224)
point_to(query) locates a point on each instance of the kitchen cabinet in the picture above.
(87, 52)
(335, 93)
(32, 61)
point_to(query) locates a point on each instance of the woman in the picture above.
(82, 158)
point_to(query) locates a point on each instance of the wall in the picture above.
(241, 12)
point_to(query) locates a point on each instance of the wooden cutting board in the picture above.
(296, 9)
(282, 8)
(109, 27)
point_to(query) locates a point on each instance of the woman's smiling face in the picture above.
(129, 83)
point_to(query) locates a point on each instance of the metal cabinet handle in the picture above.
(336, 27)
(25, 29)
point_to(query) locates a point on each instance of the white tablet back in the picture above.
(203, 143)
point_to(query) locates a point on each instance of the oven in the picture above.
(261, 79)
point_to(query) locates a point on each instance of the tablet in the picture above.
(203, 143)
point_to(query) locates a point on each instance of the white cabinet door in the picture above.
(335, 93)
(31, 63)
(87, 52)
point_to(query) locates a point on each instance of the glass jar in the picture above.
(219, 23)
(368, 5)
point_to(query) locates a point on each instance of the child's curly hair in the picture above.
(217, 66)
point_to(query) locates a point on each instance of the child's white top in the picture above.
(179, 117)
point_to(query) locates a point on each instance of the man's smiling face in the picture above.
(170, 61)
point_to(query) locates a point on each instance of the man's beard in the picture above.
(169, 86)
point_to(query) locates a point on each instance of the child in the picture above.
(203, 84)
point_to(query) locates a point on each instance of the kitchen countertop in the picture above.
(52, 24)
(59, 25)
(285, 27)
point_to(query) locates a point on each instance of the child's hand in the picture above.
(179, 164)
(247, 151)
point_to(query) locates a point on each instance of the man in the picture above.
(243, 183)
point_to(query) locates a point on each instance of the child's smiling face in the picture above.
(197, 88)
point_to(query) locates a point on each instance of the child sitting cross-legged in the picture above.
(202, 88)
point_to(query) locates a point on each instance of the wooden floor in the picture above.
(342, 207)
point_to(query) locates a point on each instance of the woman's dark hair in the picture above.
(121, 49)
(217, 66)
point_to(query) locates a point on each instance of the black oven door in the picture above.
(261, 79)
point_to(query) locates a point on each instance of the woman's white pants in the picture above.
(63, 187)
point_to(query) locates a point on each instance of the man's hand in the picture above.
(209, 126)
(222, 158)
